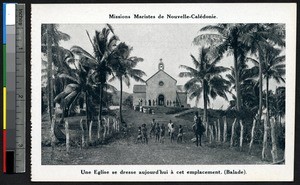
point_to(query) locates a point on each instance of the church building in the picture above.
(160, 89)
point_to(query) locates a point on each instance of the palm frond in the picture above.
(81, 52)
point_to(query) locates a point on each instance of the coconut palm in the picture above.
(80, 85)
(272, 68)
(50, 36)
(123, 66)
(226, 38)
(257, 38)
(103, 43)
(206, 79)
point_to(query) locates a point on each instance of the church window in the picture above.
(161, 83)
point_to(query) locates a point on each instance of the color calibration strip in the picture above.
(14, 90)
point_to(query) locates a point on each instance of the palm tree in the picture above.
(50, 37)
(103, 43)
(124, 68)
(80, 86)
(205, 79)
(226, 39)
(257, 38)
(272, 68)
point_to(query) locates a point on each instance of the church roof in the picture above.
(139, 88)
(164, 72)
(180, 89)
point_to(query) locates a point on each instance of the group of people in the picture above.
(159, 130)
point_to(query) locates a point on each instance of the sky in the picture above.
(170, 42)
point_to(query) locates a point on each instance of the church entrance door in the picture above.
(161, 100)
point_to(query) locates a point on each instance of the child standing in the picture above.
(180, 134)
(152, 128)
(157, 132)
(170, 127)
(139, 137)
(172, 133)
(144, 134)
(162, 133)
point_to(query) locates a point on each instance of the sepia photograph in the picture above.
(163, 92)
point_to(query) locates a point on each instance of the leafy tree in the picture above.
(205, 79)
(104, 43)
(51, 36)
(226, 38)
(123, 66)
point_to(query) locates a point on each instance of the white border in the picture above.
(226, 13)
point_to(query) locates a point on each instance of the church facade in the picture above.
(160, 89)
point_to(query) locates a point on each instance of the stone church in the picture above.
(160, 89)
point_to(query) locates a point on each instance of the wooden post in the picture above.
(216, 130)
(252, 135)
(90, 132)
(219, 131)
(67, 136)
(232, 133)
(99, 128)
(210, 134)
(52, 135)
(273, 138)
(82, 134)
(241, 134)
(225, 130)
(265, 141)
(212, 138)
(108, 126)
(104, 132)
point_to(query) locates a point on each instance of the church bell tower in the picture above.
(161, 65)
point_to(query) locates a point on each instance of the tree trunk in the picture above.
(241, 135)
(219, 131)
(108, 126)
(205, 107)
(273, 137)
(67, 136)
(211, 134)
(252, 135)
(232, 133)
(216, 131)
(82, 134)
(266, 122)
(98, 128)
(90, 131)
(105, 130)
(267, 101)
(121, 94)
(100, 108)
(225, 130)
(260, 86)
(237, 80)
(52, 135)
(265, 137)
(49, 72)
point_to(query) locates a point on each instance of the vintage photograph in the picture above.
(163, 94)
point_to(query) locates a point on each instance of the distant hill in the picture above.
(116, 97)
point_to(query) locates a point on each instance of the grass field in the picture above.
(123, 149)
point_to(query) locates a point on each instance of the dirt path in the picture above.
(126, 151)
